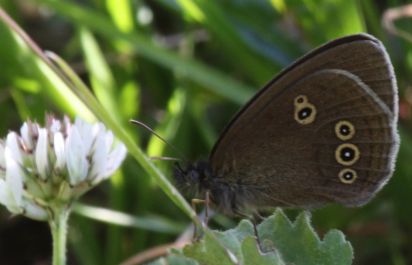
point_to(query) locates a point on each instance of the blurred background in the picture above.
(184, 67)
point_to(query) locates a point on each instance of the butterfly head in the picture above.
(194, 179)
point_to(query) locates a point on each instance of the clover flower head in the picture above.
(44, 166)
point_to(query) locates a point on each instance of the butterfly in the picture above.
(322, 131)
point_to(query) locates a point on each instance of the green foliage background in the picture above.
(184, 67)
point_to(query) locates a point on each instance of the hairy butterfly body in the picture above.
(322, 131)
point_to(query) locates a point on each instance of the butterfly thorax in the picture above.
(198, 178)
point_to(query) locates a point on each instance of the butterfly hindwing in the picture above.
(322, 131)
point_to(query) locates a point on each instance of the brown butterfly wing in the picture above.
(279, 161)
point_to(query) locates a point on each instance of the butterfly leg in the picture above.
(196, 229)
(197, 233)
(206, 202)
(255, 218)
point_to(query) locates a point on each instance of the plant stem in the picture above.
(58, 226)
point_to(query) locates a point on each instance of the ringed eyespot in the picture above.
(347, 176)
(300, 99)
(305, 112)
(344, 130)
(347, 154)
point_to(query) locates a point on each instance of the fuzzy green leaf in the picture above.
(281, 242)
(209, 251)
(299, 244)
(253, 255)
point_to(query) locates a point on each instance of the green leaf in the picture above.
(299, 244)
(102, 80)
(153, 223)
(281, 242)
(253, 255)
(209, 251)
(232, 238)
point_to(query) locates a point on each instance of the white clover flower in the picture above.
(42, 167)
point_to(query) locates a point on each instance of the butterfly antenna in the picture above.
(163, 140)
(165, 158)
